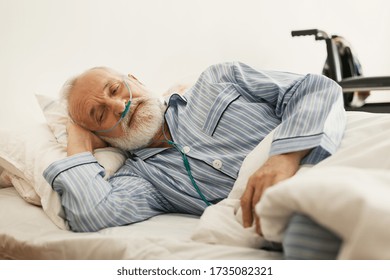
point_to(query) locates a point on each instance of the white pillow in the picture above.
(24, 189)
(5, 179)
(25, 152)
(56, 115)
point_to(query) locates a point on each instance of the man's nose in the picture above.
(118, 106)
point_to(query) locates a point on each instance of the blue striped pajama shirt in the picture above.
(217, 122)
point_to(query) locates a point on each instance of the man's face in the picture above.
(98, 99)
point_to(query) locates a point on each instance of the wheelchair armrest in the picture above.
(365, 83)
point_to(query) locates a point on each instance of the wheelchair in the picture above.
(343, 66)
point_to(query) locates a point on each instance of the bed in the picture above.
(348, 193)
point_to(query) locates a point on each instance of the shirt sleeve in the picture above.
(313, 116)
(310, 108)
(91, 203)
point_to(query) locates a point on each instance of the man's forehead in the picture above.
(89, 84)
(94, 80)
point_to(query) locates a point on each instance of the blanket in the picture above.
(348, 193)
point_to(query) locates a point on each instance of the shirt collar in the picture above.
(145, 153)
(174, 98)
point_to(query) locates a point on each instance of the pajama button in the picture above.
(217, 164)
(186, 149)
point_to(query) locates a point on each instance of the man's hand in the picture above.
(81, 140)
(274, 170)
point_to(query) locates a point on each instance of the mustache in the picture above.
(135, 103)
(133, 107)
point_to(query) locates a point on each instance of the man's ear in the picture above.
(134, 79)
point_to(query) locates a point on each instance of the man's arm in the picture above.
(312, 124)
(90, 202)
(81, 140)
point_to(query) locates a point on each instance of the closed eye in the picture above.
(100, 115)
(115, 89)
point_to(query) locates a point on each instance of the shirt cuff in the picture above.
(322, 144)
(57, 167)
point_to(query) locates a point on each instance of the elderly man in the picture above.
(186, 152)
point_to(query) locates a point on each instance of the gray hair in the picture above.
(68, 86)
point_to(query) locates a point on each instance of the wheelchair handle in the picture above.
(319, 34)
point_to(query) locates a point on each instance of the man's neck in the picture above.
(160, 140)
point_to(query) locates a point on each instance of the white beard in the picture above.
(145, 124)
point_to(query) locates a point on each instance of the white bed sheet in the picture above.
(348, 193)
(26, 232)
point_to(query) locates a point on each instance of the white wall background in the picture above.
(43, 42)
